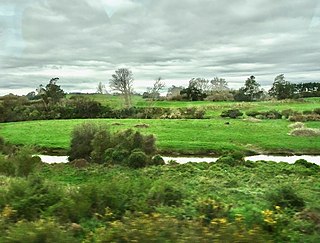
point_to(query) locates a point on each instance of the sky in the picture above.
(84, 41)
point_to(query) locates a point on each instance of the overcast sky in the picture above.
(84, 41)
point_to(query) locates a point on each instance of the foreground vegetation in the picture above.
(220, 202)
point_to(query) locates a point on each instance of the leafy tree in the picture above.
(122, 81)
(250, 92)
(52, 93)
(193, 91)
(281, 89)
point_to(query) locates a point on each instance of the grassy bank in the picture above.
(182, 136)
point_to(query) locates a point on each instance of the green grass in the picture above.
(213, 109)
(185, 136)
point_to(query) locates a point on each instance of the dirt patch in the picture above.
(142, 125)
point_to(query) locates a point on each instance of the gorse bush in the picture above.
(97, 144)
(81, 141)
(285, 197)
(233, 113)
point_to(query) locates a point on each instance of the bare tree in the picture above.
(219, 84)
(122, 81)
(157, 87)
(101, 89)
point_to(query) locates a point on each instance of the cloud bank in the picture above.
(84, 41)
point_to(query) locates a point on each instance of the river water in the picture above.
(182, 160)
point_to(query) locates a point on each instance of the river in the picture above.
(182, 160)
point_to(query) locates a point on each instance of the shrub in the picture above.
(253, 113)
(304, 163)
(24, 162)
(285, 197)
(100, 143)
(6, 166)
(317, 111)
(38, 231)
(210, 209)
(137, 160)
(233, 159)
(233, 113)
(296, 125)
(305, 132)
(119, 156)
(164, 193)
(287, 113)
(81, 141)
(157, 160)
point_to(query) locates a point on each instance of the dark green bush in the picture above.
(81, 141)
(6, 166)
(37, 231)
(253, 113)
(233, 113)
(119, 156)
(304, 163)
(137, 160)
(157, 160)
(285, 197)
(24, 162)
(165, 193)
(317, 111)
(31, 198)
(287, 113)
(100, 143)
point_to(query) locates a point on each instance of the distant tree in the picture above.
(219, 84)
(281, 89)
(174, 91)
(122, 81)
(250, 92)
(101, 89)
(192, 92)
(52, 93)
(201, 84)
(154, 92)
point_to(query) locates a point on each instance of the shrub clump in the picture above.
(305, 132)
(99, 145)
(137, 160)
(296, 125)
(233, 113)
(285, 197)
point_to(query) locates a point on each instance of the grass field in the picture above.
(185, 136)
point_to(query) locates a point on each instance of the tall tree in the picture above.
(52, 93)
(281, 89)
(219, 84)
(252, 88)
(101, 89)
(154, 92)
(122, 81)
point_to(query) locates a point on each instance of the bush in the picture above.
(233, 113)
(305, 132)
(81, 141)
(164, 193)
(137, 160)
(316, 111)
(296, 125)
(306, 164)
(119, 156)
(253, 113)
(157, 160)
(285, 197)
(38, 231)
(100, 143)
(210, 209)
(233, 159)
(6, 166)
(24, 162)
(287, 113)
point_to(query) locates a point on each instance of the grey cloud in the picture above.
(177, 40)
